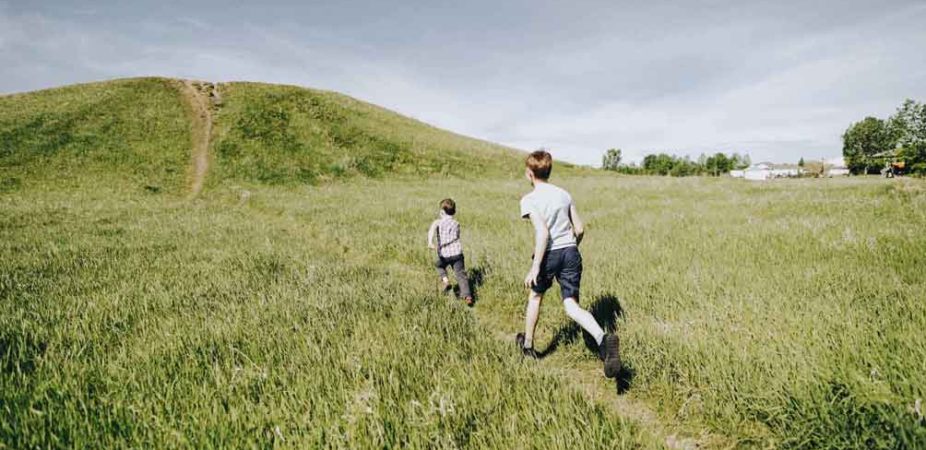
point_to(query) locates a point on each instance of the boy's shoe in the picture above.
(526, 352)
(468, 300)
(609, 352)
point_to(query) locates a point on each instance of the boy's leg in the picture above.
(459, 269)
(535, 297)
(584, 318)
(442, 271)
(570, 278)
(531, 315)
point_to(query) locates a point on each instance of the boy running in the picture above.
(558, 232)
(449, 249)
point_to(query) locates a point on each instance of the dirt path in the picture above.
(200, 97)
(588, 379)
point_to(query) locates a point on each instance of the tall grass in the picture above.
(143, 321)
(785, 314)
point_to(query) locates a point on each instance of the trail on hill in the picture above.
(202, 99)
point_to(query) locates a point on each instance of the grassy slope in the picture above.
(134, 133)
(281, 134)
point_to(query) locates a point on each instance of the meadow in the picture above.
(300, 309)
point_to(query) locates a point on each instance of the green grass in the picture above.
(304, 314)
(132, 321)
(133, 131)
(282, 134)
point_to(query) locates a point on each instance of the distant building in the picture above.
(786, 170)
(767, 171)
(835, 167)
(760, 171)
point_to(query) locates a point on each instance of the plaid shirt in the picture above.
(448, 237)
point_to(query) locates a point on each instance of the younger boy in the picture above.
(558, 232)
(449, 249)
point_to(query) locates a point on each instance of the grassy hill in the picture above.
(141, 131)
(305, 313)
(282, 134)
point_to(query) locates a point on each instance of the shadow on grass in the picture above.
(606, 309)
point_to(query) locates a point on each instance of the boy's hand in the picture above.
(531, 279)
(432, 246)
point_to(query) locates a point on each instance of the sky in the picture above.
(777, 80)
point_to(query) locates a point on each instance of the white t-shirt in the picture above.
(552, 203)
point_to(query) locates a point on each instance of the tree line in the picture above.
(872, 143)
(678, 166)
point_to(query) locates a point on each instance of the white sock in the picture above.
(584, 318)
(530, 320)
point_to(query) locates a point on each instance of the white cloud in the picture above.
(779, 82)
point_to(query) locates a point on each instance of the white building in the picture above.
(786, 172)
(767, 171)
(835, 167)
(761, 171)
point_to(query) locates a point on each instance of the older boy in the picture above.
(558, 230)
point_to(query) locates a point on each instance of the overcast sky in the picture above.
(778, 80)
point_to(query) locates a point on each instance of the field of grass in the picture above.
(303, 312)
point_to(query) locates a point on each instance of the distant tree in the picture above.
(611, 159)
(863, 140)
(718, 164)
(908, 127)
(702, 161)
(740, 161)
(631, 169)
(660, 164)
(801, 162)
(683, 167)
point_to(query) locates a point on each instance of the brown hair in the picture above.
(540, 163)
(449, 206)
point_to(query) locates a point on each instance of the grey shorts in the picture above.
(565, 265)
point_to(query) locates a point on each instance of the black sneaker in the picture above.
(526, 352)
(609, 352)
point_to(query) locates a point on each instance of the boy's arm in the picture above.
(431, 235)
(541, 236)
(578, 227)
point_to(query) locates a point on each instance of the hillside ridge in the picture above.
(132, 129)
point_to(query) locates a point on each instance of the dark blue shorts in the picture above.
(564, 264)
(444, 261)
